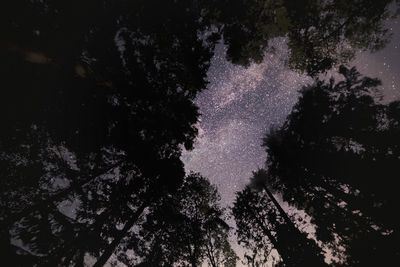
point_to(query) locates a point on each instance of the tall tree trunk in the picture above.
(279, 207)
(117, 239)
(47, 202)
(303, 245)
(265, 230)
(209, 248)
(193, 261)
(77, 244)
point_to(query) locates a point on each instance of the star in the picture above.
(242, 104)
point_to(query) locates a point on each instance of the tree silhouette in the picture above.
(336, 157)
(186, 229)
(263, 225)
(94, 118)
(98, 105)
(320, 34)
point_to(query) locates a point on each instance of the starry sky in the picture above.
(241, 104)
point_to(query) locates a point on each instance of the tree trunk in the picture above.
(302, 246)
(280, 209)
(121, 234)
(265, 230)
(46, 202)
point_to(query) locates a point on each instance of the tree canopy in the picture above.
(321, 34)
(336, 157)
(188, 228)
(98, 104)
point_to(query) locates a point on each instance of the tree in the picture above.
(253, 231)
(97, 108)
(263, 226)
(96, 112)
(336, 158)
(187, 229)
(320, 34)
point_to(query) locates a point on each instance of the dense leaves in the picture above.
(342, 168)
(337, 158)
(320, 33)
(97, 105)
(187, 229)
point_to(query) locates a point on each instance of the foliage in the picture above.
(98, 104)
(320, 34)
(187, 229)
(336, 157)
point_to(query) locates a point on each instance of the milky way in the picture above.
(241, 104)
(238, 107)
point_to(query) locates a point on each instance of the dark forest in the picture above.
(98, 104)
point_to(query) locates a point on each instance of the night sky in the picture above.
(241, 104)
